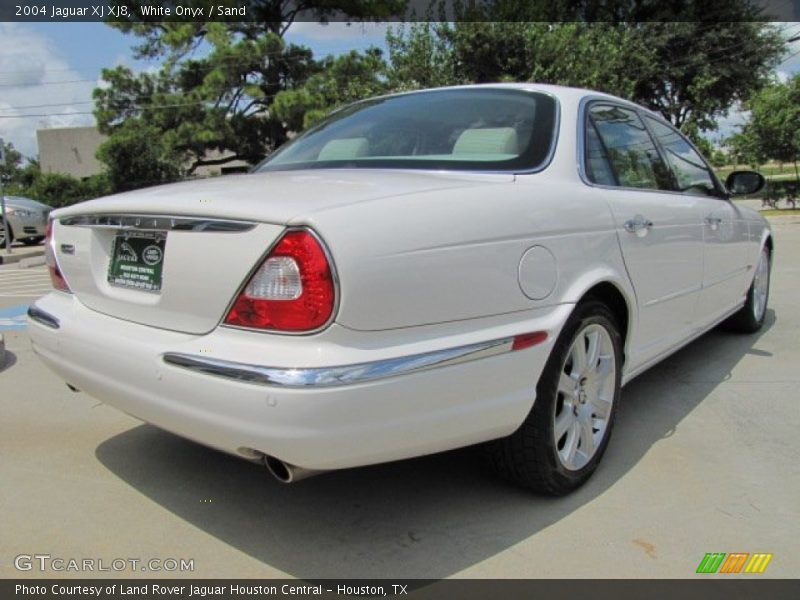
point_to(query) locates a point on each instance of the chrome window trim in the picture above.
(150, 222)
(334, 275)
(43, 318)
(288, 377)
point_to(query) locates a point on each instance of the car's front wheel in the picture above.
(559, 445)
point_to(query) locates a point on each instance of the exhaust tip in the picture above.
(279, 469)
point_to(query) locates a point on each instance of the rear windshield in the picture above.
(457, 129)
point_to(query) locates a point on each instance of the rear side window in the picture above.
(629, 149)
(691, 173)
(597, 165)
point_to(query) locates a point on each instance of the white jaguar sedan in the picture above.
(416, 273)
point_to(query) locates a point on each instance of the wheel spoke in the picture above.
(566, 384)
(563, 422)
(587, 438)
(604, 367)
(579, 355)
(601, 407)
(593, 353)
(571, 446)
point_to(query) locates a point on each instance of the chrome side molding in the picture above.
(42, 317)
(157, 223)
(339, 375)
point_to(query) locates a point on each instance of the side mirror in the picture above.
(744, 183)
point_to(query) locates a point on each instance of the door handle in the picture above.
(713, 222)
(638, 224)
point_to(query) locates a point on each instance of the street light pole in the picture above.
(3, 202)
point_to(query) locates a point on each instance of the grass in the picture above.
(780, 212)
(768, 170)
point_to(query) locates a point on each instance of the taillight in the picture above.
(292, 290)
(56, 277)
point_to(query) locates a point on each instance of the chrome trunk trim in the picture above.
(157, 223)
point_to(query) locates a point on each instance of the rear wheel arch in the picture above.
(610, 295)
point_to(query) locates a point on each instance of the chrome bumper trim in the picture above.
(339, 375)
(157, 223)
(42, 317)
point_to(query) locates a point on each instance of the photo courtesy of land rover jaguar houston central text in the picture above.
(415, 273)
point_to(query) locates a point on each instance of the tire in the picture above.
(3, 234)
(33, 241)
(532, 456)
(750, 317)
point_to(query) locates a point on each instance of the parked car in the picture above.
(416, 273)
(27, 220)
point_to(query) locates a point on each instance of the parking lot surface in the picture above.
(705, 457)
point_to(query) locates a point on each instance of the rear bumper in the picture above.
(26, 227)
(427, 407)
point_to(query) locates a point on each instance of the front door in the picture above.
(725, 276)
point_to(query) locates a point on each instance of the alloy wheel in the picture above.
(586, 392)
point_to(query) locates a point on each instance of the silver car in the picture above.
(27, 220)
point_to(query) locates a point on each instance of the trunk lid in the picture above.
(216, 232)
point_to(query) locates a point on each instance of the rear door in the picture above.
(660, 231)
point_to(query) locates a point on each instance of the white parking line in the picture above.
(24, 282)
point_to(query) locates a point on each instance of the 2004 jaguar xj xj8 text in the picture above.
(415, 273)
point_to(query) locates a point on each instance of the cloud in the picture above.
(29, 65)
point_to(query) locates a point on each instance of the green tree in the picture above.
(743, 148)
(138, 155)
(698, 70)
(59, 189)
(341, 80)
(691, 69)
(11, 166)
(421, 56)
(773, 129)
(212, 100)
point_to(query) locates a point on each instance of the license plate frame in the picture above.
(137, 260)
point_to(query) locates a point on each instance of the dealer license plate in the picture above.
(137, 260)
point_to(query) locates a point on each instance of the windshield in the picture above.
(454, 129)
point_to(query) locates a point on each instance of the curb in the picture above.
(32, 261)
(23, 259)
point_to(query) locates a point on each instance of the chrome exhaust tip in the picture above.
(286, 473)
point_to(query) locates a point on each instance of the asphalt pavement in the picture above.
(704, 458)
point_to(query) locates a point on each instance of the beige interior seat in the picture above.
(488, 140)
(344, 149)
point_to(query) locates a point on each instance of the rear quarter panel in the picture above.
(455, 254)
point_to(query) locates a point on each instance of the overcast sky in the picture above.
(48, 70)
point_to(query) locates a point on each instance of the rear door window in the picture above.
(629, 149)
